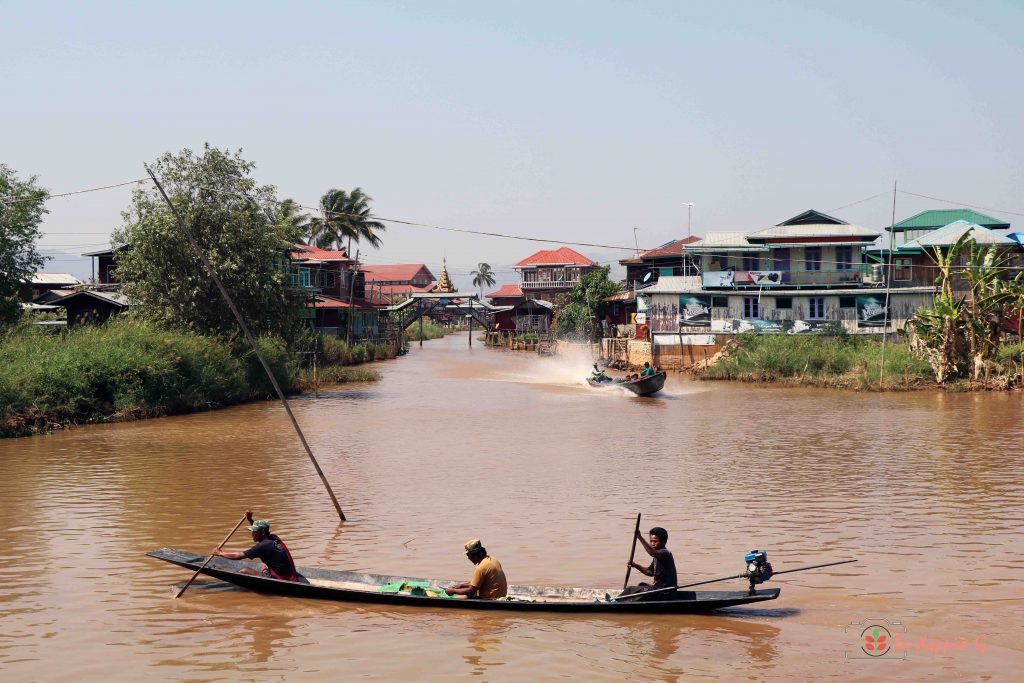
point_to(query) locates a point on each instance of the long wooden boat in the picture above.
(346, 586)
(641, 387)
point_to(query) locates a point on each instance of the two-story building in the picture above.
(395, 282)
(551, 272)
(335, 291)
(669, 259)
(792, 277)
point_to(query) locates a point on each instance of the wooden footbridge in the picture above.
(459, 304)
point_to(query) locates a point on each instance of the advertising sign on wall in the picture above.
(694, 311)
(872, 310)
(767, 326)
(717, 278)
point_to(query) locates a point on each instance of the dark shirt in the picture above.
(664, 568)
(271, 554)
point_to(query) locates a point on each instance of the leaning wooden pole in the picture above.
(249, 336)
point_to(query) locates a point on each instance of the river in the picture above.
(924, 489)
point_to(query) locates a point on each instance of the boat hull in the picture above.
(527, 598)
(644, 386)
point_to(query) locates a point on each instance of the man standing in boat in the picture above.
(662, 567)
(271, 551)
(488, 581)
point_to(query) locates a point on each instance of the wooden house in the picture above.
(550, 272)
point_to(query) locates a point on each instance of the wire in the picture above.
(859, 201)
(964, 204)
(434, 227)
(11, 202)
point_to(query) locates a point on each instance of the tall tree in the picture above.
(585, 305)
(233, 220)
(483, 275)
(22, 206)
(345, 217)
(293, 219)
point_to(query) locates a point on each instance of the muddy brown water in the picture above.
(925, 489)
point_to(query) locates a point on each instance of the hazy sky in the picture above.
(574, 121)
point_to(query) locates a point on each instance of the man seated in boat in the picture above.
(488, 581)
(271, 551)
(648, 370)
(662, 567)
(598, 375)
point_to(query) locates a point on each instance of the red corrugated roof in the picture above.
(304, 252)
(394, 271)
(555, 257)
(327, 302)
(674, 248)
(621, 296)
(506, 291)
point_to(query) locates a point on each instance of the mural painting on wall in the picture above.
(663, 317)
(694, 311)
(872, 311)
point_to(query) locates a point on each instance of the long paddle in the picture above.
(632, 552)
(726, 578)
(247, 517)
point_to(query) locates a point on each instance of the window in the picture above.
(844, 258)
(784, 303)
(902, 269)
(812, 258)
(719, 261)
(719, 302)
(816, 308)
(847, 302)
(751, 260)
(751, 308)
(780, 259)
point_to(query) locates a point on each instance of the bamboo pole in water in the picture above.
(249, 336)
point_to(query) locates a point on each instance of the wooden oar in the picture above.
(632, 552)
(248, 516)
(726, 578)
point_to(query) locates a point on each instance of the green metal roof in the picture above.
(938, 218)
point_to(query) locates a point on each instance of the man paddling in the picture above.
(269, 549)
(662, 567)
(488, 581)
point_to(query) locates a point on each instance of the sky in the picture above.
(570, 121)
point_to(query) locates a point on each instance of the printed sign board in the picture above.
(872, 310)
(735, 326)
(694, 311)
(639, 318)
(717, 278)
(765, 277)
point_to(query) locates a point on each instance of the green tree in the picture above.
(345, 217)
(22, 206)
(483, 276)
(585, 305)
(293, 219)
(233, 220)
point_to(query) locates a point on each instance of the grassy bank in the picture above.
(430, 331)
(842, 361)
(124, 370)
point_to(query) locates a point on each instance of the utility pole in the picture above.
(351, 298)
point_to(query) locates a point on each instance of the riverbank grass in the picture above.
(430, 331)
(847, 361)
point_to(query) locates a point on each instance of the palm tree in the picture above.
(293, 221)
(344, 217)
(483, 275)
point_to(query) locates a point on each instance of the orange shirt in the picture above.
(489, 579)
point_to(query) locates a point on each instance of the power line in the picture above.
(11, 202)
(964, 204)
(866, 199)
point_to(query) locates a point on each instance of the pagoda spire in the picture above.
(444, 284)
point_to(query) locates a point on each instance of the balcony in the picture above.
(551, 284)
(861, 275)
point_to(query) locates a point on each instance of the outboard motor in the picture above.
(759, 569)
